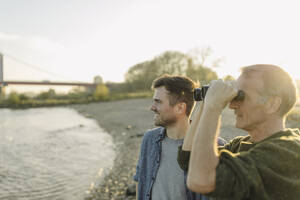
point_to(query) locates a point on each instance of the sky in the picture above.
(75, 40)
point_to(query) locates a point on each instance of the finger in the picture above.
(233, 89)
(218, 84)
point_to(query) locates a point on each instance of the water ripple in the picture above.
(50, 154)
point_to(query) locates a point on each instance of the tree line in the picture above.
(140, 76)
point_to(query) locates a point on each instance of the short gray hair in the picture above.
(276, 82)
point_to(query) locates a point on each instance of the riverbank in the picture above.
(126, 121)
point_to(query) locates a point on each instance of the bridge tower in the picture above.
(1, 67)
(1, 73)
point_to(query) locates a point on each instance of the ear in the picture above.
(273, 105)
(180, 108)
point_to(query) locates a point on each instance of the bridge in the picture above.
(4, 83)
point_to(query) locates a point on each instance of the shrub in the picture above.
(50, 94)
(101, 92)
(130, 95)
(13, 98)
(23, 97)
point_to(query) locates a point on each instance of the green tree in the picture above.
(141, 75)
(13, 98)
(101, 92)
(50, 94)
(23, 97)
(201, 74)
(200, 68)
(2, 93)
(228, 78)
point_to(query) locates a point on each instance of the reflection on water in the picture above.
(50, 154)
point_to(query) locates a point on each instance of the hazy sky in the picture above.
(79, 39)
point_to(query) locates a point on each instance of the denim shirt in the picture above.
(148, 164)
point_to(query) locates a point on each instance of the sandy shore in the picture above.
(126, 121)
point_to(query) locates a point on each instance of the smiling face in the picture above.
(250, 113)
(164, 114)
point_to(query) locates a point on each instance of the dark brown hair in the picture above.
(180, 89)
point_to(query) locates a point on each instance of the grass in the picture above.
(130, 95)
(50, 102)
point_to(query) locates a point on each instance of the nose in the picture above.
(234, 104)
(152, 108)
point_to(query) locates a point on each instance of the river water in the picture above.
(51, 153)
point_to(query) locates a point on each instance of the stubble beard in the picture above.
(158, 121)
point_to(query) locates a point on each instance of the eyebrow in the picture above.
(157, 100)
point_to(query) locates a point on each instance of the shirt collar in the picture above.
(161, 135)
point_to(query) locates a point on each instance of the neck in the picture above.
(267, 129)
(178, 130)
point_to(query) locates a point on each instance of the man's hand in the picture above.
(219, 94)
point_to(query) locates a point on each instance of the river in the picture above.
(51, 153)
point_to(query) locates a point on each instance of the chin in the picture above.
(243, 127)
(239, 125)
(157, 123)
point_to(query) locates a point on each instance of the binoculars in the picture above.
(199, 94)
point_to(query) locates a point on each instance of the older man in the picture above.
(264, 164)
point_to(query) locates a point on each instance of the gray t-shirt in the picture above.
(169, 183)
